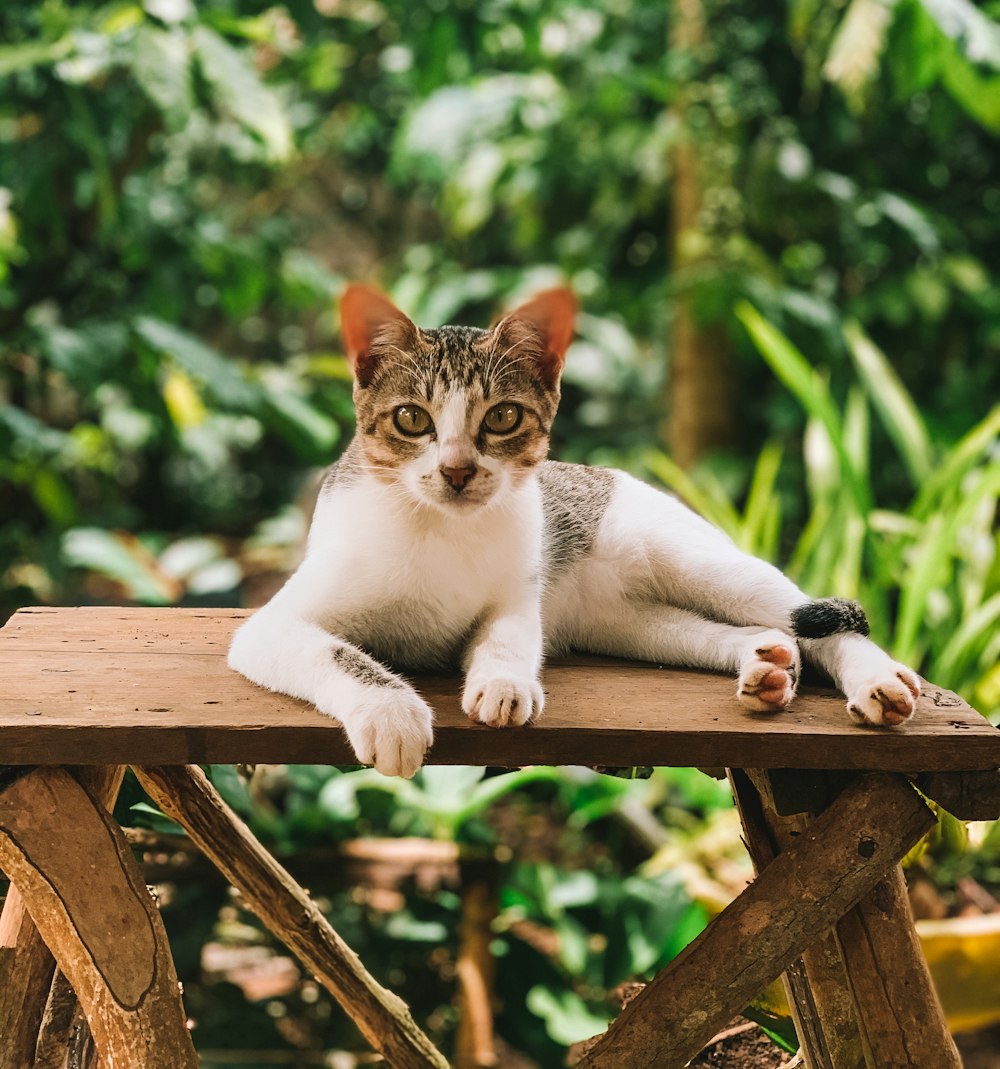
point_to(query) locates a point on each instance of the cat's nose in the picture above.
(459, 478)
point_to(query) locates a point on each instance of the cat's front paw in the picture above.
(769, 674)
(502, 700)
(889, 699)
(392, 731)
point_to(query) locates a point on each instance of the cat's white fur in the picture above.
(411, 573)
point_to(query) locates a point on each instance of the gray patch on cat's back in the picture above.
(363, 668)
(575, 499)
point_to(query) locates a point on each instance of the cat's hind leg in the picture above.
(879, 689)
(765, 660)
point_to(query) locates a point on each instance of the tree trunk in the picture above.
(701, 383)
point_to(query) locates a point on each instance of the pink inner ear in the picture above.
(552, 313)
(364, 312)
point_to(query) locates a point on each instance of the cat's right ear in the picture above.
(367, 314)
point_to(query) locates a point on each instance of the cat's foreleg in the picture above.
(387, 723)
(765, 660)
(879, 690)
(502, 666)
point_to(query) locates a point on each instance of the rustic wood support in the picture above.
(186, 795)
(771, 806)
(966, 795)
(896, 1003)
(803, 891)
(807, 1012)
(85, 894)
(26, 968)
(868, 978)
(62, 1015)
(475, 1047)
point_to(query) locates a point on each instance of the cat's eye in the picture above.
(412, 421)
(503, 418)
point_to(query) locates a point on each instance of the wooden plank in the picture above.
(152, 686)
(57, 845)
(185, 794)
(834, 862)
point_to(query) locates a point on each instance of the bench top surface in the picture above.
(151, 686)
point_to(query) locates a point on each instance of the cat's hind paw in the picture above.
(502, 701)
(391, 731)
(888, 700)
(769, 676)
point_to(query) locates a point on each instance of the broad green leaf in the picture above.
(304, 424)
(896, 408)
(161, 64)
(241, 94)
(566, 1016)
(223, 379)
(972, 30)
(14, 58)
(853, 59)
(121, 557)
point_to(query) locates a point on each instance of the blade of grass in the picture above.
(893, 403)
(931, 559)
(950, 665)
(675, 478)
(958, 460)
(808, 387)
(758, 513)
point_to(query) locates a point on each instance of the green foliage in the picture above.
(928, 573)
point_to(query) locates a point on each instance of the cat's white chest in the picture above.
(413, 587)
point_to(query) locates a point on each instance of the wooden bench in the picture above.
(828, 810)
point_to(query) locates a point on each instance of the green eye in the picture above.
(412, 421)
(503, 418)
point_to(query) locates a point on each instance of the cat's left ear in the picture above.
(550, 315)
(367, 314)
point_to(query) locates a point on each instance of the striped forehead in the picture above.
(455, 358)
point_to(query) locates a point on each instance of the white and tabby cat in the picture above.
(444, 538)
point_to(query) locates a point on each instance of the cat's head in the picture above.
(457, 415)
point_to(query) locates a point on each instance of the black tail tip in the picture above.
(828, 616)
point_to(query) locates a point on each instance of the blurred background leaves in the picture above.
(783, 222)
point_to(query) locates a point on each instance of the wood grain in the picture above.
(188, 797)
(896, 1003)
(58, 847)
(817, 985)
(802, 892)
(29, 972)
(151, 686)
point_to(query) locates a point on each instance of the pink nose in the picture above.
(459, 478)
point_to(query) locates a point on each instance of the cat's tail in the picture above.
(828, 616)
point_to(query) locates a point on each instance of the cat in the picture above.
(444, 538)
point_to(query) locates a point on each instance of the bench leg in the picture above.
(868, 995)
(85, 893)
(816, 985)
(184, 793)
(804, 890)
(26, 968)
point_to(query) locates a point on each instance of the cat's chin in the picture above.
(458, 504)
